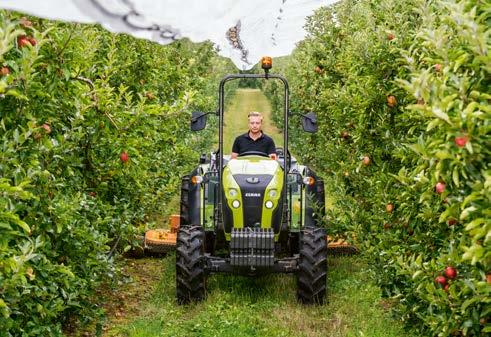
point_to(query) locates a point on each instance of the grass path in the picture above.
(240, 306)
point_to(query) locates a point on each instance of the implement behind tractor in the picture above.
(252, 215)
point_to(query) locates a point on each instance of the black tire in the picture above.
(190, 272)
(312, 273)
(184, 202)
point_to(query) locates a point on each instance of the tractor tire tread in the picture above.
(190, 271)
(312, 273)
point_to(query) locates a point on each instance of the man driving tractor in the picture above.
(254, 139)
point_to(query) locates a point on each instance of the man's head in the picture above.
(255, 122)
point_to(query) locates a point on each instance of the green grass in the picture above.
(265, 306)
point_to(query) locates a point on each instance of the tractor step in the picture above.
(215, 264)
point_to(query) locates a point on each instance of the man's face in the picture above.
(255, 124)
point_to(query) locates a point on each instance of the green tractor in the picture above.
(251, 215)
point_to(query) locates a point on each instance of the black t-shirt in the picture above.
(244, 143)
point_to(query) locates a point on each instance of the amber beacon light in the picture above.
(266, 62)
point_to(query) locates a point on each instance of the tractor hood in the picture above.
(254, 165)
(252, 189)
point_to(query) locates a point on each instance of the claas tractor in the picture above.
(251, 215)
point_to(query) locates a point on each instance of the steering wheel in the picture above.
(254, 153)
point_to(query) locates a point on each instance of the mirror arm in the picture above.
(302, 115)
(194, 119)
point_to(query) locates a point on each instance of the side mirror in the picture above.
(309, 122)
(198, 120)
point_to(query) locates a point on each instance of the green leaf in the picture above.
(468, 302)
(474, 223)
(455, 177)
(417, 274)
(15, 93)
(440, 114)
(465, 213)
(14, 218)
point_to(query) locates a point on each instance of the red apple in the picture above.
(124, 157)
(345, 134)
(450, 272)
(23, 41)
(386, 225)
(451, 222)
(4, 71)
(441, 280)
(390, 36)
(461, 141)
(440, 187)
(488, 278)
(46, 128)
(389, 208)
(366, 160)
(446, 287)
(32, 41)
(92, 194)
(318, 70)
(391, 101)
(438, 67)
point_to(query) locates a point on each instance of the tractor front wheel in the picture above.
(312, 273)
(190, 272)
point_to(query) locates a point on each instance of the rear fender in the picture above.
(195, 200)
(314, 201)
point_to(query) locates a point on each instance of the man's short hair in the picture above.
(255, 114)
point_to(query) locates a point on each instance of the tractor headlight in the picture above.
(269, 204)
(236, 204)
(232, 192)
(272, 193)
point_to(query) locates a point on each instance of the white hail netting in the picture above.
(243, 30)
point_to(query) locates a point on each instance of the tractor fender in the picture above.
(315, 201)
(192, 213)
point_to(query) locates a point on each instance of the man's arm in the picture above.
(235, 149)
(272, 150)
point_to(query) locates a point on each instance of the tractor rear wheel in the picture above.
(312, 273)
(190, 272)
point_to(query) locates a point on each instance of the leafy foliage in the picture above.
(401, 90)
(73, 99)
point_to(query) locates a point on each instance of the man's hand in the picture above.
(273, 156)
